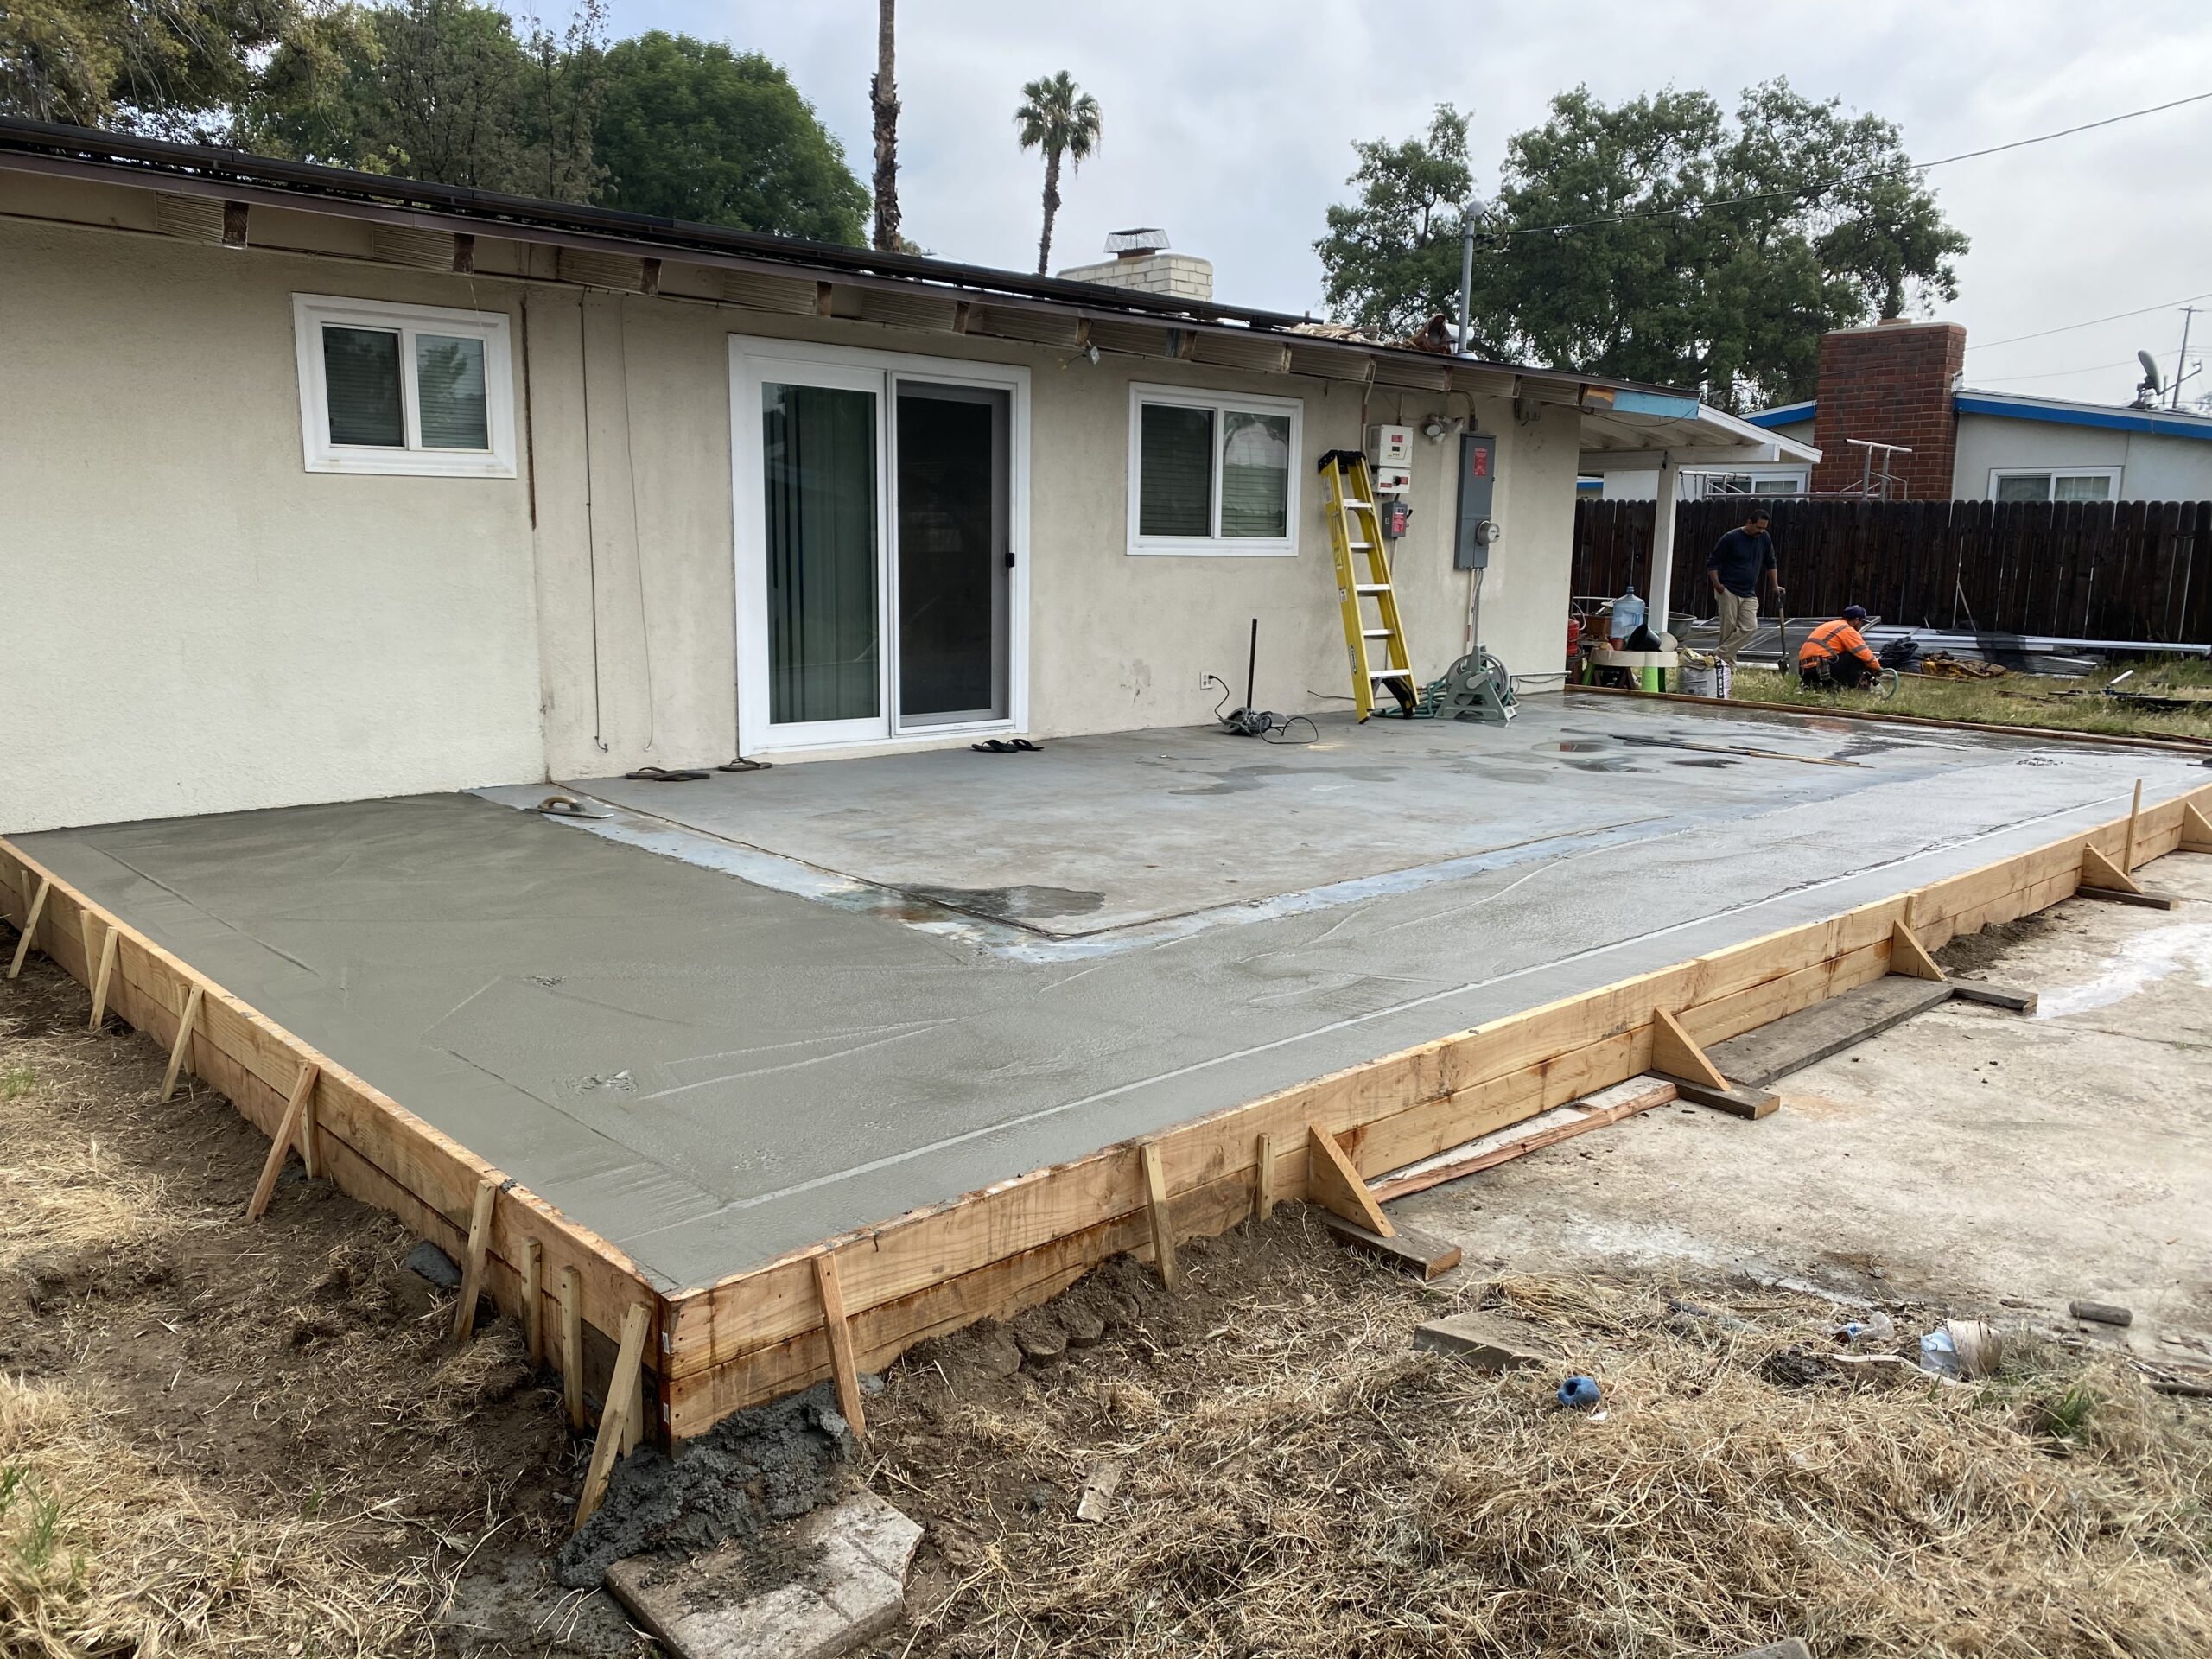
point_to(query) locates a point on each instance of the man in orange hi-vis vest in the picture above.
(1836, 653)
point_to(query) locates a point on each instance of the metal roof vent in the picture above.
(1136, 244)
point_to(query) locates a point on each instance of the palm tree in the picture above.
(1060, 120)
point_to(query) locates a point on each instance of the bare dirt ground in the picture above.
(224, 1437)
(218, 1438)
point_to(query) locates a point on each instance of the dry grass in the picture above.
(2050, 703)
(1299, 1483)
(216, 1439)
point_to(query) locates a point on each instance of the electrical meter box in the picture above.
(1474, 530)
(1390, 453)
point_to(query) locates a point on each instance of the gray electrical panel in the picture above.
(1473, 531)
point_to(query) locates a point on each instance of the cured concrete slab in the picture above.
(710, 1071)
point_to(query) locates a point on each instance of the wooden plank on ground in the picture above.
(1490, 1151)
(1419, 1254)
(1995, 996)
(1736, 1101)
(1797, 1041)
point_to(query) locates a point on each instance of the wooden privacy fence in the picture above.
(2072, 569)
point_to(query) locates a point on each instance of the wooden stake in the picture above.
(184, 1025)
(572, 1345)
(621, 1401)
(1263, 1179)
(533, 1300)
(2098, 871)
(30, 926)
(1908, 957)
(1334, 1182)
(633, 1421)
(2195, 829)
(2135, 814)
(100, 980)
(288, 1129)
(1163, 1222)
(842, 1367)
(1674, 1053)
(471, 1270)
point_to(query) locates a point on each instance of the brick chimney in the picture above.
(1889, 383)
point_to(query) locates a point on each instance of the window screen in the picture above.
(362, 367)
(2023, 486)
(1255, 474)
(449, 392)
(1175, 472)
(2082, 489)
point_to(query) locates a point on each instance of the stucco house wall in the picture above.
(2152, 468)
(225, 630)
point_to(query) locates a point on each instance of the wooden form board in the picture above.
(757, 1334)
(371, 1147)
(760, 1334)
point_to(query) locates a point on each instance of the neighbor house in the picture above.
(323, 485)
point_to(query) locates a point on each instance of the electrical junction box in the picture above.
(1474, 530)
(1390, 447)
(1392, 480)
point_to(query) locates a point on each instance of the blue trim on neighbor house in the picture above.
(1786, 414)
(2118, 420)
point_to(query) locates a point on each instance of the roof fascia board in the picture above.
(2118, 420)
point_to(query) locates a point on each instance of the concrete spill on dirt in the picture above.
(753, 1469)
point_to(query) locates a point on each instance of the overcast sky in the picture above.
(1230, 123)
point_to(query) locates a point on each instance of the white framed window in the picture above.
(2054, 483)
(1213, 472)
(415, 389)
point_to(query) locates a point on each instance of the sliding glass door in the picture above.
(878, 546)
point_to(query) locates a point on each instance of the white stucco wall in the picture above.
(225, 630)
(2153, 469)
(197, 624)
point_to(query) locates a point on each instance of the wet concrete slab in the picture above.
(714, 1045)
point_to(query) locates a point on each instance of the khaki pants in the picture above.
(1739, 620)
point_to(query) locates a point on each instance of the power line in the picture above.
(2014, 340)
(1823, 186)
(2056, 374)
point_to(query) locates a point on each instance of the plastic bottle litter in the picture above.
(1875, 1327)
(1578, 1393)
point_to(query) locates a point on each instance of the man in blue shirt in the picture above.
(1738, 560)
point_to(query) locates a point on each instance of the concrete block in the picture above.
(1488, 1342)
(707, 1608)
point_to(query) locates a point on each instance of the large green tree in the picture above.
(436, 89)
(1658, 240)
(161, 65)
(691, 129)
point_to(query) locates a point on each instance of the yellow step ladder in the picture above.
(1376, 641)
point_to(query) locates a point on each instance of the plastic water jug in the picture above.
(1628, 615)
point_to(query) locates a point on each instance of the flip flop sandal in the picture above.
(994, 746)
(1026, 747)
(665, 775)
(740, 764)
(565, 806)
